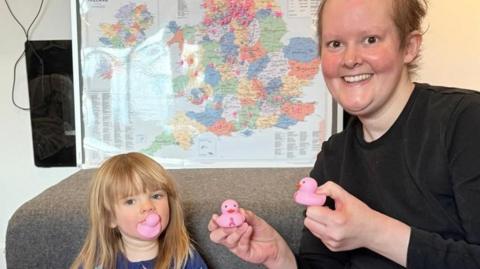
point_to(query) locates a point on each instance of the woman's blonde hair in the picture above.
(407, 15)
(120, 176)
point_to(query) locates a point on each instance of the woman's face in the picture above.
(362, 62)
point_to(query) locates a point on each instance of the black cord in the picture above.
(13, 84)
(26, 32)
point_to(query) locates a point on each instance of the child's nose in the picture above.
(147, 207)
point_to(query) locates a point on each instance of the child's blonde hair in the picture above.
(120, 176)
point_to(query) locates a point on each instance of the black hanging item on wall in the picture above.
(50, 86)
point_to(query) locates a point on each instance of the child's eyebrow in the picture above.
(124, 198)
(159, 190)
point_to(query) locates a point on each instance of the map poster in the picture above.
(202, 83)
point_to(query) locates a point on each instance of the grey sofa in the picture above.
(47, 231)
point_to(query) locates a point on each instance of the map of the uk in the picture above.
(236, 72)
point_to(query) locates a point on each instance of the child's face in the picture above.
(133, 210)
(361, 58)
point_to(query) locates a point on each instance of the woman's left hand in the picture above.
(347, 227)
(354, 225)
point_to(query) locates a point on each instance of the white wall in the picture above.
(451, 48)
(451, 56)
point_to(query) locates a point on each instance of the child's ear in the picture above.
(113, 223)
(412, 46)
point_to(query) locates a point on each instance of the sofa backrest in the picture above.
(48, 231)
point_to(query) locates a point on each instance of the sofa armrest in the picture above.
(48, 231)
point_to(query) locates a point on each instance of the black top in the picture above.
(424, 171)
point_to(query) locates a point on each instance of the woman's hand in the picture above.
(354, 225)
(254, 241)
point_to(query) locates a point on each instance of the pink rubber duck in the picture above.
(306, 195)
(150, 227)
(231, 216)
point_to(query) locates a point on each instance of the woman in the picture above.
(403, 176)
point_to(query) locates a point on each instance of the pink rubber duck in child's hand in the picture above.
(306, 193)
(231, 216)
(150, 227)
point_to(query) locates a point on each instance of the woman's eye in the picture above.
(371, 39)
(333, 44)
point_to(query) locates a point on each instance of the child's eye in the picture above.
(129, 201)
(158, 195)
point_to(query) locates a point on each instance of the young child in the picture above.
(136, 219)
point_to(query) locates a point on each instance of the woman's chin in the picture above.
(354, 109)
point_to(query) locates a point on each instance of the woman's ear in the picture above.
(412, 46)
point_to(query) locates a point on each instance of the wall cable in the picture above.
(26, 32)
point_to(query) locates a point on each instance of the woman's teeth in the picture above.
(356, 78)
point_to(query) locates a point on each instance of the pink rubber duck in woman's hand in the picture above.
(306, 194)
(231, 216)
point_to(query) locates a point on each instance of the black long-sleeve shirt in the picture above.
(424, 171)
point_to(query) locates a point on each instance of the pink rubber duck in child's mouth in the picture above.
(306, 193)
(231, 216)
(150, 227)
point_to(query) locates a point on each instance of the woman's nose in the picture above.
(351, 57)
